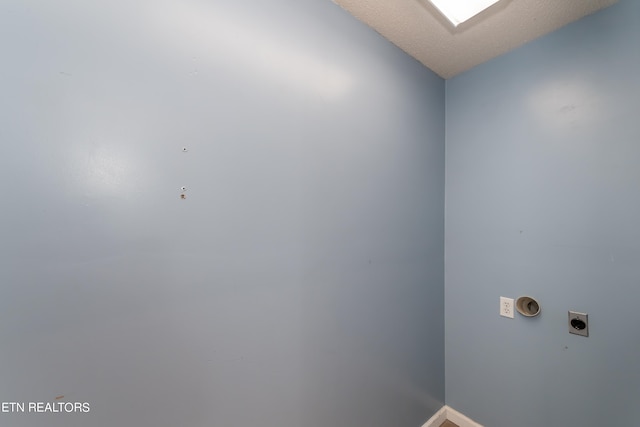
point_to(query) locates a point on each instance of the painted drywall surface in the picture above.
(542, 199)
(299, 283)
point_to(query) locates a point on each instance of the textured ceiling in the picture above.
(420, 30)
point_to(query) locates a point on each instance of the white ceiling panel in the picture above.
(418, 28)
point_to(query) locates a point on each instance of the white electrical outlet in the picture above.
(506, 307)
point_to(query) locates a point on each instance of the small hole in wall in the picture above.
(184, 149)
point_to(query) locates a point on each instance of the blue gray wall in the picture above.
(300, 283)
(543, 198)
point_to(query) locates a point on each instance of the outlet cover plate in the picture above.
(506, 307)
(579, 323)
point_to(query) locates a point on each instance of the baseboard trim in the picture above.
(438, 418)
(448, 413)
(460, 419)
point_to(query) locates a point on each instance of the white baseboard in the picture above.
(460, 419)
(438, 418)
(447, 413)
